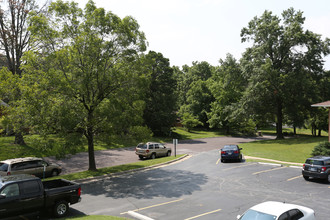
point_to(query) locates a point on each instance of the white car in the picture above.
(277, 211)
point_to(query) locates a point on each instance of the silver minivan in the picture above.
(152, 150)
(29, 165)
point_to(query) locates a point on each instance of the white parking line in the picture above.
(265, 171)
(245, 165)
(293, 178)
(207, 213)
(138, 216)
(148, 207)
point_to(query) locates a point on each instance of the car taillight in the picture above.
(79, 191)
(236, 152)
(323, 169)
(147, 151)
(223, 152)
(8, 173)
(303, 166)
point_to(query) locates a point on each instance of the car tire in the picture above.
(61, 208)
(141, 157)
(153, 156)
(307, 177)
(222, 160)
(54, 172)
(168, 153)
(328, 179)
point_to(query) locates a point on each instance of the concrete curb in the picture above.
(97, 178)
(275, 161)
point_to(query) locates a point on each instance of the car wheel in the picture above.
(54, 173)
(141, 157)
(168, 153)
(329, 178)
(61, 209)
(153, 156)
(222, 160)
(307, 177)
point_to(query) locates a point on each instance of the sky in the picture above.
(185, 31)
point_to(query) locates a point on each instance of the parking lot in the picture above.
(202, 188)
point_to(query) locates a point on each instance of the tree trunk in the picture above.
(90, 138)
(294, 130)
(279, 114)
(19, 139)
(320, 133)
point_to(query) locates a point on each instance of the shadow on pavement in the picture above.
(147, 185)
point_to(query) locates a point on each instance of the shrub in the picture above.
(322, 149)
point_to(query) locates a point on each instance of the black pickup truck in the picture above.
(22, 194)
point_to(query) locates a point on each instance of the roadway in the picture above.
(201, 187)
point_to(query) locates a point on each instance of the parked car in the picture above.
(317, 167)
(230, 152)
(277, 211)
(21, 194)
(152, 150)
(29, 165)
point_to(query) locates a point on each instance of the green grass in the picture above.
(196, 133)
(116, 169)
(94, 217)
(290, 149)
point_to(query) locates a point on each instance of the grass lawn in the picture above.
(289, 150)
(116, 169)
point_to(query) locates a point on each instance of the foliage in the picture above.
(227, 86)
(281, 66)
(83, 73)
(322, 149)
(190, 121)
(160, 98)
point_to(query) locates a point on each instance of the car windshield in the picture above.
(142, 146)
(314, 162)
(3, 167)
(255, 215)
(230, 147)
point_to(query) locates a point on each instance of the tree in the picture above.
(85, 65)
(227, 86)
(159, 113)
(14, 41)
(281, 63)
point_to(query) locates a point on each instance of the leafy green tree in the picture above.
(281, 64)
(189, 121)
(159, 113)
(14, 41)
(227, 86)
(85, 65)
(193, 90)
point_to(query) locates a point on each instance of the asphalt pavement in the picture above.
(107, 158)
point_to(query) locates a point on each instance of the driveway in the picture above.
(113, 157)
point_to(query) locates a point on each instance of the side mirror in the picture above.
(240, 148)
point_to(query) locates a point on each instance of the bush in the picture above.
(322, 149)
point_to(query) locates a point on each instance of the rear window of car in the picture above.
(3, 167)
(230, 147)
(142, 146)
(315, 162)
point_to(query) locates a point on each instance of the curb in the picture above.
(105, 176)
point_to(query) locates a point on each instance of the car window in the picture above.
(151, 146)
(3, 167)
(29, 187)
(41, 163)
(314, 162)
(252, 214)
(142, 146)
(230, 147)
(156, 146)
(295, 214)
(327, 162)
(284, 216)
(10, 190)
(19, 166)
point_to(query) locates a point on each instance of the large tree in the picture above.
(86, 58)
(160, 98)
(281, 63)
(14, 41)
